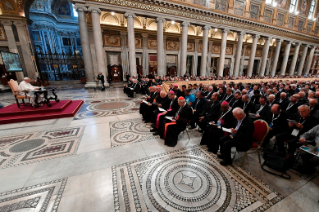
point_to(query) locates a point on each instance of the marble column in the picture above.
(87, 57)
(285, 58)
(269, 62)
(242, 61)
(145, 54)
(179, 58)
(98, 43)
(195, 58)
(164, 53)
(252, 55)
(276, 57)
(294, 60)
(160, 47)
(238, 52)
(209, 58)
(221, 63)
(124, 54)
(12, 44)
(264, 57)
(203, 65)
(29, 63)
(131, 40)
(183, 56)
(309, 60)
(302, 60)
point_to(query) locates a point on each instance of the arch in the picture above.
(172, 27)
(231, 36)
(110, 19)
(151, 24)
(191, 30)
(139, 22)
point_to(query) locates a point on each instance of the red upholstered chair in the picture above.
(260, 133)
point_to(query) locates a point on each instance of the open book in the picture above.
(145, 102)
(226, 129)
(169, 118)
(311, 150)
(161, 109)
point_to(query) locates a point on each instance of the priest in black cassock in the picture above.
(161, 101)
(171, 129)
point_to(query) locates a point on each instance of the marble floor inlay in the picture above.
(188, 179)
(41, 197)
(32, 147)
(107, 107)
(130, 131)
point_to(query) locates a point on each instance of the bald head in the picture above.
(313, 102)
(275, 109)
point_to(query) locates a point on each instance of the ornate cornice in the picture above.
(173, 8)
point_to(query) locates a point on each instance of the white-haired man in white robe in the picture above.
(26, 86)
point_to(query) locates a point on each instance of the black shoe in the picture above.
(224, 163)
(153, 130)
(156, 133)
(220, 156)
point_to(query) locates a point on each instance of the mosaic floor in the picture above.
(105, 159)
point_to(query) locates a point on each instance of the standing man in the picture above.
(100, 77)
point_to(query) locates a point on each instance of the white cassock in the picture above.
(24, 86)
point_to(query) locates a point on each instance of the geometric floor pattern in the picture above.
(41, 197)
(130, 131)
(33, 147)
(107, 107)
(189, 179)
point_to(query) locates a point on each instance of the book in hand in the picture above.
(169, 118)
(311, 149)
(292, 121)
(145, 102)
(226, 129)
(212, 123)
(161, 109)
(132, 88)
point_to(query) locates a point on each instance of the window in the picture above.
(293, 6)
(271, 2)
(311, 9)
(75, 13)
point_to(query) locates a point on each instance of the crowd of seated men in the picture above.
(290, 108)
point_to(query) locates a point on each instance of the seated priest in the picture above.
(261, 110)
(128, 85)
(277, 121)
(210, 113)
(198, 107)
(300, 124)
(161, 101)
(309, 161)
(214, 132)
(247, 104)
(171, 129)
(236, 102)
(150, 98)
(26, 87)
(241, 136)
(313, 104)
(134, 89)
(173, 106)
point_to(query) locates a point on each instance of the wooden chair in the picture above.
(15, 90)
(260, 133)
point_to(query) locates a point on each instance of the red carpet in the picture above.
(64, 108)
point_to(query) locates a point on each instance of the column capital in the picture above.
(80, 8)
(311, 46)
(185, 24)
(297, 43)
(94, 10)
(144, 35)
(18, 23)
(160, 20)
(129, 15)
(305, 45)
(206, 27)
(224, 30)
(240, 33)
(288, 41)
(255, 36)
(6, 23)
(266, 38)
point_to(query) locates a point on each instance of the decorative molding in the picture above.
(173, 8)
(129, 15)
(161, 20)
(94, 9)
(80, 7)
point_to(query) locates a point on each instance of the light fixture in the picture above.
(112, 13)
(314, 19)
(296, 12)
(216, 29)
(173, 22)
(274, 4)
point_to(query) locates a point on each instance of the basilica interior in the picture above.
(103, 155)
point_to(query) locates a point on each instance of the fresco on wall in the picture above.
(291, 21)
(282, 3)
(152, 44)
(268, 16)
(221, 5)
(200, 2)
(239, 8)
(254, 11)
(300, 25)
(64, 9)
(172, 45)
(112, 40)
(303, 6)
(190, 47)
(280, 19)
